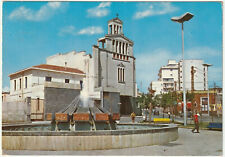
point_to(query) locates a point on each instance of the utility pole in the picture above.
(192, 88)
(192, 78)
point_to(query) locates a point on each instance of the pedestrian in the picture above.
(196, 123)
(133, 116)
(169, 114)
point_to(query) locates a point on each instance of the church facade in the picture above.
(114, 69)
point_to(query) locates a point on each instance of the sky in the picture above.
(32, 31)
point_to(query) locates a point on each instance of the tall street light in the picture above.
(186, 17)
(207, 65)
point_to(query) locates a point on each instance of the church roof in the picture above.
(117, 20)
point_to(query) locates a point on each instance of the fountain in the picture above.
(83, 114)
(84, 125)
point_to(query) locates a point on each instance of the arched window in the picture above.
(121, 75)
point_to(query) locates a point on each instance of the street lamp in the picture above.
(207, 65)
(186, 17)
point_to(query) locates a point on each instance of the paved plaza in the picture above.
(206, 143)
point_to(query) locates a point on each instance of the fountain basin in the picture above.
(124, 137)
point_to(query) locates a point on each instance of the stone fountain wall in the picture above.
(87, 140)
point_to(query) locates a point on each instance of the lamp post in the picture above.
(207, 65)
(186, 17)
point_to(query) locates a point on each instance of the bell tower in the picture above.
(115, 26)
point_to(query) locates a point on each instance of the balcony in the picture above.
(62, 85)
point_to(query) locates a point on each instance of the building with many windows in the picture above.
(171, 76)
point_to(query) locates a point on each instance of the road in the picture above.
(203, 118)
(206, 143)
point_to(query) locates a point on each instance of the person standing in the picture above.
(196, 123)
(133, 117)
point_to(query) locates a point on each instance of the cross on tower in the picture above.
(117, 15)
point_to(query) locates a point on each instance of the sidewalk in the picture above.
(206, 143)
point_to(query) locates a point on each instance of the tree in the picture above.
(169, 100)
(190, 96)
(146, 102)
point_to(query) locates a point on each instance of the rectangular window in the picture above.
(116, 45)
(123, 75)
(126, 49)
(14, 84)
(110, 27)
(67, 80)
(20, 83)
(123, 48)
(38, 104)
(48, 79)
(25, 82)
(119, 47)
(118, 74)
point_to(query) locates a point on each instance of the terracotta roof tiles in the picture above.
(50, 67)
(58, 68)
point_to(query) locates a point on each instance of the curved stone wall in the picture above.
(87, 140)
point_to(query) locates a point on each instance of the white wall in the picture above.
(20, 94)
(73, 59)
(36, 83)
(110, 78)
(38, 77)
(198, 76)
(157, 86)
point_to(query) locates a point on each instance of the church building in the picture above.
(114, 69)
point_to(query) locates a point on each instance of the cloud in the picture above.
(70, 30)
(99, 11)
(91, 30)
(44, 13)
(6, 89)
(148, 65)
(155, 9)
(201, 53)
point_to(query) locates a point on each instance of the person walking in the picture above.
(196, 123)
